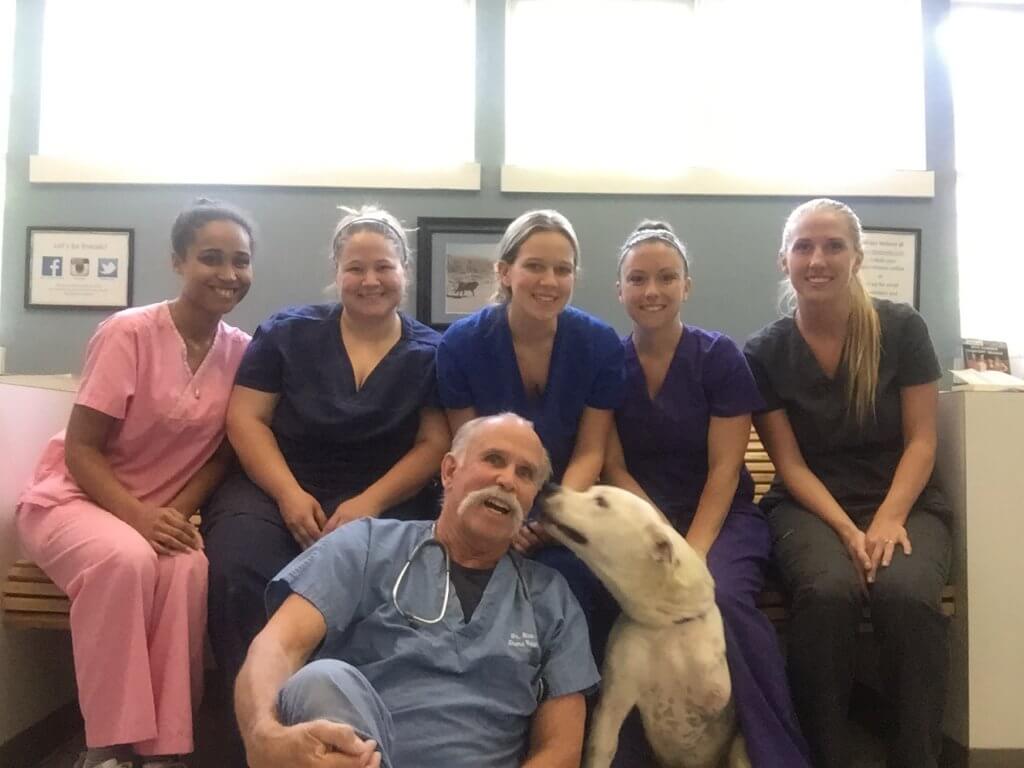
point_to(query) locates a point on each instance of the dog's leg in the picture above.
(604, 731)
(737, 757)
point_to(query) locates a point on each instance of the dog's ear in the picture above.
(662, 549)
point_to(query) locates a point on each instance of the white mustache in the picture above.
(496, 493)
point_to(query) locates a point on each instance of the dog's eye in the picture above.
(600, 501)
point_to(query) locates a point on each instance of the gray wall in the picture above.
(732, 239)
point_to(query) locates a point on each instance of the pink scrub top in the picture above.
(170, 420)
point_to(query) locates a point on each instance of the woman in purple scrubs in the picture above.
(682, 431)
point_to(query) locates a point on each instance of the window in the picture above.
(775, 96)
(347, 92)
(6, 67)
(983, 45)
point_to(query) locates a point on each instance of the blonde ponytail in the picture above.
(862, 354)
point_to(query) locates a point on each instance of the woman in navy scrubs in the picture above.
(334, 416)
(849, 384)
(533, 354)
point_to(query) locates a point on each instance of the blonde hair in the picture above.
(519, 230)
(371, 218)
(862, 350)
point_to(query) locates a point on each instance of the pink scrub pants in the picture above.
(137, 624)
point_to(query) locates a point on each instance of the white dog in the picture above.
(666, 653)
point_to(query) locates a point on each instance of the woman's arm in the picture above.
(727, 444)
(459, 416)
(199, 487)
(615, 472)
(919, 405)
(85, 441)
(406, 477)
(588, 454)
(805, 487)
(250, 412)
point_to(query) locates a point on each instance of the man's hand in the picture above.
(166, 530)
(531, 536)
(316, 744)
(303, 516)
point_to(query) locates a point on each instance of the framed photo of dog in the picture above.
(454, 267)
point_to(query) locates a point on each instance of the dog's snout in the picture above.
(547, 490)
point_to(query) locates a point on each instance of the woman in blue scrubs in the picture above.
(334, 417)
(533, 354)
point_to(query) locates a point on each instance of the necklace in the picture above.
(198, 346)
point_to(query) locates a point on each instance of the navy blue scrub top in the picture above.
(334, 437)
(477, 367)
(855, 464)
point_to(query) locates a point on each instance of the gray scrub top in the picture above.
(461, 694)
(856, 464)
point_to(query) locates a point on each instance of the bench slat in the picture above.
(37, 604)
(24, 620)
(33, 589)
(26, 571)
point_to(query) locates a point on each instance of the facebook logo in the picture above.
(53, 266)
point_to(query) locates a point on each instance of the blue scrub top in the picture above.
(334, 437)
(477, 367)
(460, 695)
(665, 440)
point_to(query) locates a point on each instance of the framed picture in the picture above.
(892, 261)
(455, 267)
(78, 268)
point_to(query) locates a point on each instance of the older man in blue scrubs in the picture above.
(432, 644)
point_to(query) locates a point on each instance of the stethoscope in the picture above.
(432, 540)
(410, 616)
(413, 619)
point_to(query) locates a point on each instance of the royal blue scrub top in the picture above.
(477, 367)
(333, 436)
(462, 694)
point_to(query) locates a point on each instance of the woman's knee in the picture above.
(193, 566)
(131, 557)
(832, 589)
(906, 590)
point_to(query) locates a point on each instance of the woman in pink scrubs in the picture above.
(107, 513)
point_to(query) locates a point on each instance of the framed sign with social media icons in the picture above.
(78, 268)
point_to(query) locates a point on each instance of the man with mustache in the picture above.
(410, 672)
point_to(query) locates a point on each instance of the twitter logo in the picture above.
(107, 268)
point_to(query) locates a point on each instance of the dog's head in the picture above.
(642, 560)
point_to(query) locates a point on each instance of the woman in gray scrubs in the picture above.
(850, 386)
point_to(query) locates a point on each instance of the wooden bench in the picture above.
(32, 601)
